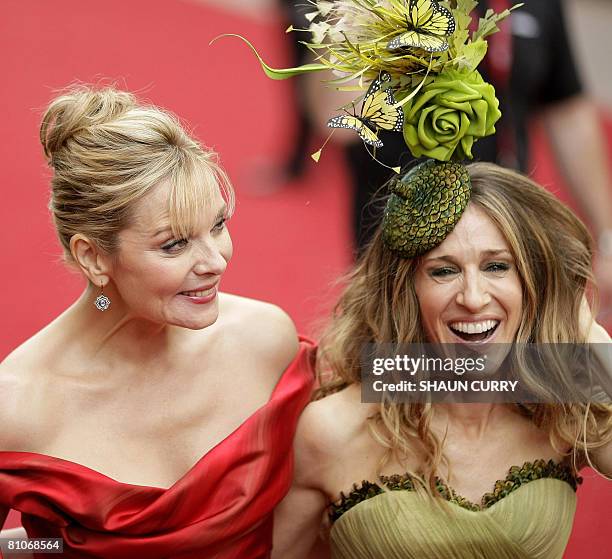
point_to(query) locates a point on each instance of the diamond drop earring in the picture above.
(102, 301)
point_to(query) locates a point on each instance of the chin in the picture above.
(196, 323)
(200, 325)
(193, 317)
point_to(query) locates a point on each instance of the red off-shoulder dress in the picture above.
(220, 509)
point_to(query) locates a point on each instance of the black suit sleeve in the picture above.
(562, 80)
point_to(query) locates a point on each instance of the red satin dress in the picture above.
(220, 509)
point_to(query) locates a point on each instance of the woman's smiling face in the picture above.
(168, 280)
(469, 288)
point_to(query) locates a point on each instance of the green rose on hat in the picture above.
(449, 114)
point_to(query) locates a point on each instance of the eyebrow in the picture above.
(167, 228)
(222, 212)
(162, 230)
(490, 252)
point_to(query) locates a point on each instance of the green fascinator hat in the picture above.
(424, 206)
(414, 64)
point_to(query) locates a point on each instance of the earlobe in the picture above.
(90, 259)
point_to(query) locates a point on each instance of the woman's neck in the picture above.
(468, 420)
(117, 336)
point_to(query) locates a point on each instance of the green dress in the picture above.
(528, 515)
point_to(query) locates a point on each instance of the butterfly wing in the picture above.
(379, 110)
(428, 25)
(429, 17)
(414, 39)
(369, 136)
(357, 124)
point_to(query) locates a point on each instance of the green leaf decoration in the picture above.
(472, 55)
(488, 24)
(461, 13)
(459, 40)
(276, 73)
(465, 6)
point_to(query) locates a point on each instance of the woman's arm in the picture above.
(298, 518)
(601, 457)
(3, 514)
(297, 522)
(602, 460)
(13, 533)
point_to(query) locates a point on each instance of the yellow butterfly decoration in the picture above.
(428, 26)
(378, 112)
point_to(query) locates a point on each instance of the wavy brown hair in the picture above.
(553, 253)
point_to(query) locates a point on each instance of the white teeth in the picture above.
(474, 327)
(198, 293)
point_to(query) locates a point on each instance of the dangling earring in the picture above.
(102, 301)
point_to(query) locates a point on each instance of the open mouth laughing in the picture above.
(474, 332)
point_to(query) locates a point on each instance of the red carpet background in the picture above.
(289, 247)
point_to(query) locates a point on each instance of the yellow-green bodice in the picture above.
(528, 515)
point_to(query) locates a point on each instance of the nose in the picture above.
(473, 293)
(209, 260)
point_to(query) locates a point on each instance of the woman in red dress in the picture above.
(154, 417)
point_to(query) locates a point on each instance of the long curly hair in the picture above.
(553, 253)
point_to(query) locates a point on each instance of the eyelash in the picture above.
(219, 226)
(499, 267)
(172, 244)
(441, 272)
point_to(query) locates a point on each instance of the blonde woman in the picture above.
(153, 417)
(457, 481)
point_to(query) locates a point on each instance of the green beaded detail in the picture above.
(529, 471)
(517, 476)
(424, 207)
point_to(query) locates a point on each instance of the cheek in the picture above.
(227, 248)
(157, 275)
(516, 304)
(511, 293)
(433, 298)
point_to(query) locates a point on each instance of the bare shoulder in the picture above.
(335, 420)
(35, 354)
(331, 433)
(16, 371)
(17, 390)
(9, 384)
(26, 387)
(262, 329)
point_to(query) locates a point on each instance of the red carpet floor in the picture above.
(289, 247)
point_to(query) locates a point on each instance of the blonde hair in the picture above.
(553, 253)
(108, 151)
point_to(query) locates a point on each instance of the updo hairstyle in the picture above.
(108, 151)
